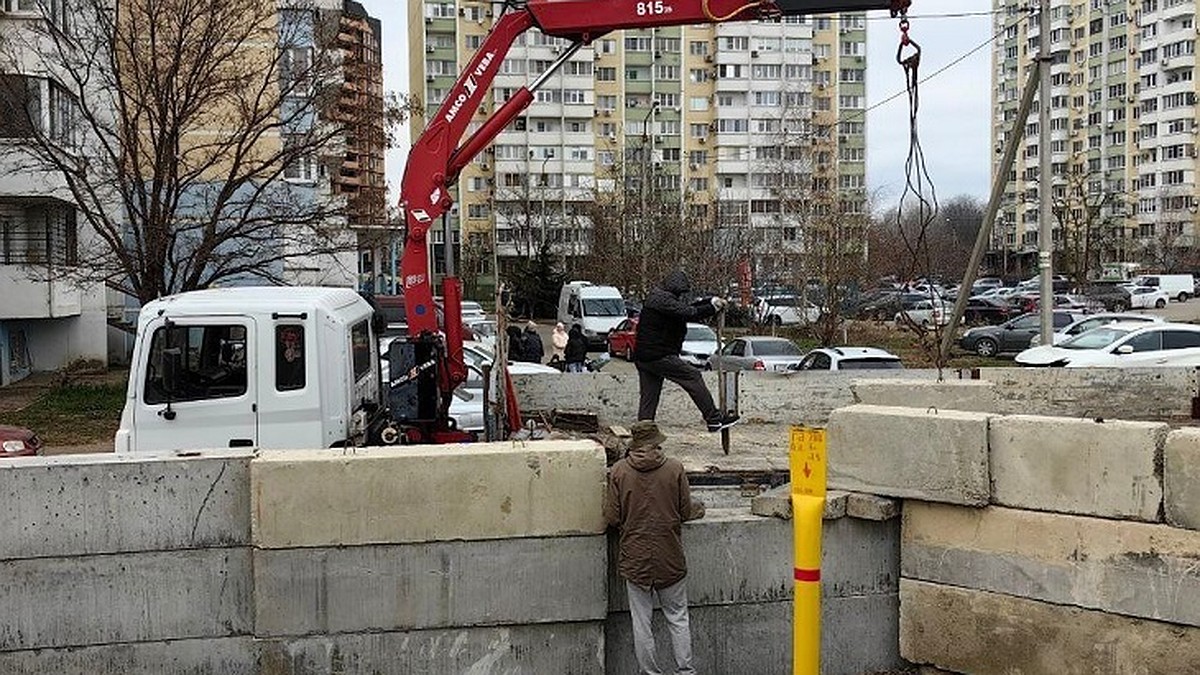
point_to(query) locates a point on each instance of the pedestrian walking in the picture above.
(575, 353)
(531, 343)
(662, 326)
(516, 345)
(558, 341)
(648, 499)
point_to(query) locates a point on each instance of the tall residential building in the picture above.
(747, 119)
(1122, 137)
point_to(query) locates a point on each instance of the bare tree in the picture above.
(1090, 214)
(193, 136)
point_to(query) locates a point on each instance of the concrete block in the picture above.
(1181, 478)
(412, 494)
(567, 648)
(871, 507)
(931, 455)
(972, 631)
(738, 558)
(83, 504)
(1123, 567)
(1109, 468)
(859, 635)
(128, 597)
(227, 656)
(432, 585)
(953, 394)
(1147, 394)
(777, 503)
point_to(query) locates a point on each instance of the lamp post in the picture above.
(647, 158)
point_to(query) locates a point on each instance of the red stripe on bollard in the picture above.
(807, 575)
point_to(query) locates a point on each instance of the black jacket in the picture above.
(532, 347)
(516, 344)
(576, 351)
(662, 325)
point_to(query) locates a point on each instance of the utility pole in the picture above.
(1045, 179)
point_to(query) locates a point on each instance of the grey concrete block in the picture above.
(1109, 468)
(858, 635)
(777, 503)
(974, 631)
(871, 507)
(566, 648)
(1148, 394)
(1181, 478)
(952, 394)
(83, 504)
(937, 456)
(1129, 568)
(722, 496)
(226, 656)
(127, 597)
(433, 585)
(737, 558)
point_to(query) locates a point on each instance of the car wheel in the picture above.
(986, 347)
(1121, 306)
(925, 324)
(1160, 303)
(1183, 297)
(776, 320)
(629, 353)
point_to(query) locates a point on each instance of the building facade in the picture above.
(1122, 137)
(744, 121)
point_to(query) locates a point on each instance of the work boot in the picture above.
(724, 422)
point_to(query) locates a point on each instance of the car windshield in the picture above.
(603, 307)
(776, 348)
(1097, 338)
(478, 355)
(484, 328)
(700, 334)
(870, 364)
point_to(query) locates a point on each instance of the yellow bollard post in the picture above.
(806, 459)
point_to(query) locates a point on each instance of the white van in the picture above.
(598, 309)
(1178, 286)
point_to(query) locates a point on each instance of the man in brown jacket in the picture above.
(648, 499)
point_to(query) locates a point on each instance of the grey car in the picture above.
(1013, 335)
(757, 352)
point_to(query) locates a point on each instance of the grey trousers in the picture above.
(650, 382)
(673, 600)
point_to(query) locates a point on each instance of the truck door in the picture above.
(197, 387)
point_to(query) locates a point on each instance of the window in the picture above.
(20, 106)
(296, 71)
(1146, 342)
(300, 161)
(360, 349)
(1180, 339)
(289, 357)
(210, 360)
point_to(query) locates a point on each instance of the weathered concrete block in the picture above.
(226, 656)
(82, 504)
(936, 456)
(1130, 568)
(973, 631)
(1109, 469)
(1148, 394)
(972, 395)
(128, 597)
(871, 507)
(1181, 478)
(735, 558)
(427, 493)
(432, 585)
(567, 648)
(859, 635)
(777, 503)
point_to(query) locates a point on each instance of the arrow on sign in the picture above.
(807, 471)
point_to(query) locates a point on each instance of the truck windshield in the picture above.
(603, 307)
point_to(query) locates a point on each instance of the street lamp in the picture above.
(647, 158)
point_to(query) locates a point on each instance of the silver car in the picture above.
(757, 352)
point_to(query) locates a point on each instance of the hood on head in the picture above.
(559, 327)
(646, 457)
(677, 282)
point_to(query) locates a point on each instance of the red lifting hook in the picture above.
(905, 41)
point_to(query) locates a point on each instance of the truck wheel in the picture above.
(1160, 303)
(1183, 297)
(986, 347)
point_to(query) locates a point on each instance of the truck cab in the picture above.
(597, 309)
(262, 367)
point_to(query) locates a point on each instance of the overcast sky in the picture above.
(955, 105)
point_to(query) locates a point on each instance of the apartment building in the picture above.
(1122, 137)
(746, 121)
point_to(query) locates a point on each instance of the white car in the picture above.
(757, 352)
(698, 345)
(1122, 345)
(849, 358)
(785, 310)
(1145, 297)
(926, 314)
(1095, 321)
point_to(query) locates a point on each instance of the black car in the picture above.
(1011, 336)
(988, 311)
(1109, 296)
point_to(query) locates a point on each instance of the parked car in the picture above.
(785, 310)
(480, 330)
(849, 358)
(1146, 297)
(1123, 345)
(1109, 297)
(925, 314)
(1011, 336)
(1094, 321)
(757, 352)
(699, 344)
(988, 311)
(622, 338)
(18, 442)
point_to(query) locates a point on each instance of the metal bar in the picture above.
(1045, 215)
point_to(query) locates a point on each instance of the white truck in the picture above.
(1178, 286)
(597, 309)
(255, 367)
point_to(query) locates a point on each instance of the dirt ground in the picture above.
(25, 403)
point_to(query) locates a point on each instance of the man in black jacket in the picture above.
(661, 330)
